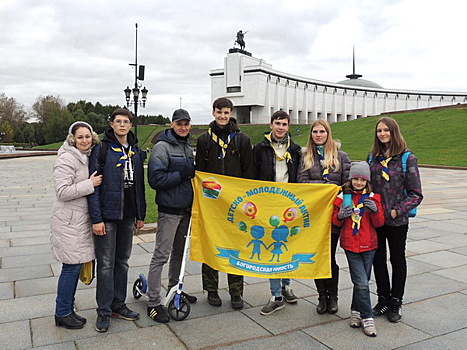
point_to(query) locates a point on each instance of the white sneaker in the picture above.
(355, 319)
(369, 327)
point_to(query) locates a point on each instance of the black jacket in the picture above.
(265, 161)
(238, 160)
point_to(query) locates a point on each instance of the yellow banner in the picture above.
(262, 229)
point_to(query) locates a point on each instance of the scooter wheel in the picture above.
(181, 313)
(137, 286)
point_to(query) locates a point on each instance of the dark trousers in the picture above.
(330, 285)
(112, 253)
(395, 236)
(211, 281)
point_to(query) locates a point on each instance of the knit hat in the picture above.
(70, 130)
(180, 114)
(360, 169)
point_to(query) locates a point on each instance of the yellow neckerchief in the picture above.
(123, 156)
(357, 212)
(223, 145)
(320, 150)
(384, 163)
(286, 155)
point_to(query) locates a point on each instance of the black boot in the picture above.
(332, 303)
(78, 317)
(322, 304)
(68, 322)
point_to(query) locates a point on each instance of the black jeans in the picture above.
(396, 237)
(330, 285)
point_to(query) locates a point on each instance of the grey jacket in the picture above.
(70, 225)
(315, 173)
(170, 169)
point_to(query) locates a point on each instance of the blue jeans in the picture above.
(66, 289)
(360, 272)
(276, 285)
(112, 253)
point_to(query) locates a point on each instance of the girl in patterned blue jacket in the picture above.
(400, 191)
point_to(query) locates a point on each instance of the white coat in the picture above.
(71, 229)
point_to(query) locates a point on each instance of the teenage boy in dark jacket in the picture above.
(224, 150)
(117, 207)
(170, 170)
(276, 159)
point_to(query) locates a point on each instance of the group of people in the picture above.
(370, 214)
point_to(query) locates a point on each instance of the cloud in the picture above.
(82, 50)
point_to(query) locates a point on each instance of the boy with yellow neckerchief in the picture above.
(276, 159)
(224, 150)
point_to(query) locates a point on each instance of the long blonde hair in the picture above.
(331, 147)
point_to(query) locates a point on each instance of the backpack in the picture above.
(412, 212)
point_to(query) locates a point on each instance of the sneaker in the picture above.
(190, 298)
(355, 319)
(381, 307)
(214, 299)
(102, 323)
(276, 303)
(125, 313)
(288, 295)
(237, 302)
(158, 314)
(369, 327)
(395, 310)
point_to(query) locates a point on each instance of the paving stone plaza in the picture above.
(434, 314)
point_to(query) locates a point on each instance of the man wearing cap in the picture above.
(171, 167)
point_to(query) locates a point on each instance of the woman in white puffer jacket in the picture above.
(71, 229)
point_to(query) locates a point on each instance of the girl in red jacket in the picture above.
(358, 221)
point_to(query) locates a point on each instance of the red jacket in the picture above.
(366, 238)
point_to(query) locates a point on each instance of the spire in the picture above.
(353, 75)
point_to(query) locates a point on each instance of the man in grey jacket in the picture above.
(171, 167)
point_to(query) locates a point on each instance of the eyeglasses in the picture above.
(124, 121)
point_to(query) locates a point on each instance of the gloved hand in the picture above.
(370, 204)
(344, 212)
(187, 173)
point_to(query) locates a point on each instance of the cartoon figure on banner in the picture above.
(279, 235)
(257, 232)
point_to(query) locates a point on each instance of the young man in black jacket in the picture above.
(224, 150)
(276, 159)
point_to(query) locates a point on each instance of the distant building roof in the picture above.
(360, 82)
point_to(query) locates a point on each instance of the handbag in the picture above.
(87, 274)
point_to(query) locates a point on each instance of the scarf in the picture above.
(222, 144)
(320, 150)
(357, 212)
(286, 155)
(123, 156)
(384, 163)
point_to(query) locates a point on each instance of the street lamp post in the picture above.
(139, 75)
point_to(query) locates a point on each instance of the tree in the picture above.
(44, 107)
(6, 132)
(56, 127)
(11, 110)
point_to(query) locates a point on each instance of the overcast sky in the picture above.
(81, 50)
